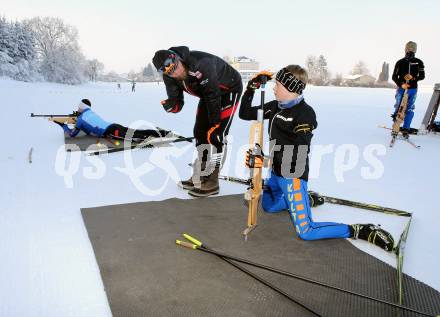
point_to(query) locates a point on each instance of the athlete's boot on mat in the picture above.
(189, 183)
(373, 234)
(208, 186)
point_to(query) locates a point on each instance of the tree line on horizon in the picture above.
(47, 49)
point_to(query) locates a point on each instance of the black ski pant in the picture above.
(118, 132)
(229, 105)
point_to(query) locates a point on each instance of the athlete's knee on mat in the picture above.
(270, 205)
(273, 207)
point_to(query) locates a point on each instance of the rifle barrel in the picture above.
(52, 115)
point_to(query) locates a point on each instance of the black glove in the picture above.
(171, 105)
(255, 159)
(255, 82)
(315, 199)
(215, 136)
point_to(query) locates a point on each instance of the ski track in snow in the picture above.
(48, 264)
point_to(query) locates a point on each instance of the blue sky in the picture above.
(125, 34)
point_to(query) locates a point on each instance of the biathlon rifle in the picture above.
(60, 118)
(255, 188)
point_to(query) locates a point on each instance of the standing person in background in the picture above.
(133, 86)
(219, 87)
(407, 72)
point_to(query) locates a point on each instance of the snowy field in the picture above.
(48, 265)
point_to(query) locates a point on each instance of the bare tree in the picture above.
(337, 81)
(360, 68)
(94, 69)
(132, 75)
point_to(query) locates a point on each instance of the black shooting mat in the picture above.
(83, 142)
(146, 274)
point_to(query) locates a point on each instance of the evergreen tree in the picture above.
(385, 73)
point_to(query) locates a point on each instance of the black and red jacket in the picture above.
(209, 77)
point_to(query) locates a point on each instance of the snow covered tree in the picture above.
(148, 71)
(25, 56)
(337, 81)
(7, 67)
(323, 73)
(94, 69)
(312, 68)
(360, 69)
(57, 49)
(132, 75)
(17, 52)
(317, 70)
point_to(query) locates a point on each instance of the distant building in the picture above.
(358, 80)
(247, 67)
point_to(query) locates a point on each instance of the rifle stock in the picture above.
(253, 193)
(400, 113)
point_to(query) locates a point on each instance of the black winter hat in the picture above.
(161, 56)
(87, 102)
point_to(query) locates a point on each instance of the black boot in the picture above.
(405, 132)
(373, 234)
(315, 199)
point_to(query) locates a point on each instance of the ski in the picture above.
(399, 250)
(371, 207)
(393, 139)
(334, 200)
(409, 142)
(143, 145)
(395, 136)
(411, 130)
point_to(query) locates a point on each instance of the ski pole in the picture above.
(197, 245)
(140, 146)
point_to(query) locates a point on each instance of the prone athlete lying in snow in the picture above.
(91, 123)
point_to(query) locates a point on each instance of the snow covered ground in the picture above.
(48, 266)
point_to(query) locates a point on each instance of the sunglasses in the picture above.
(169, 66)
